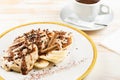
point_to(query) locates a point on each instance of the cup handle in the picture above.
(104, 9)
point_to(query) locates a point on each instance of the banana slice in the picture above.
(54, 56)
(41, 64)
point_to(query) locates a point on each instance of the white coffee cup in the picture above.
(88, 12)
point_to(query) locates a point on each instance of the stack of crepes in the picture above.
(37, 48)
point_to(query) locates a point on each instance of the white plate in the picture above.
(77, 64)
(101, 21)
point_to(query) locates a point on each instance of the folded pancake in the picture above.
(20, 56)
(57, 49)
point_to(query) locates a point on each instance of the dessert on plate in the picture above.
(36, 49)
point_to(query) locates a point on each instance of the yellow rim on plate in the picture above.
(64, 25)
(1, 78)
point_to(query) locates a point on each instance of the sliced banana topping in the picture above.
(41, 63)
(54, 56)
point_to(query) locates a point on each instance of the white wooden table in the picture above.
(15, 12)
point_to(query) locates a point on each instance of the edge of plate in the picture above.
(69, 26)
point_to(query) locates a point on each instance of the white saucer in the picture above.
(101, 21)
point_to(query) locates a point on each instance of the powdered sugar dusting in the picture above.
(41, 74)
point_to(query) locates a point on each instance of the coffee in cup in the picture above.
(88, 1)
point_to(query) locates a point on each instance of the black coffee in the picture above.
(88, 1)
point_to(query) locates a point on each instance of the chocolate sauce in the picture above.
(24, 66)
